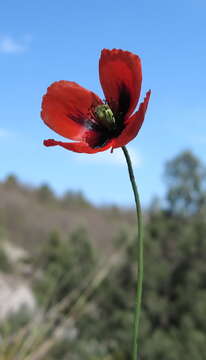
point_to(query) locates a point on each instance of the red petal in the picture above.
(80, 147)
(65, 109)
(121, 77)
(134, 124)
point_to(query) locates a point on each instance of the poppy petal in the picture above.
(120, 75)
(66, 109)
(134, 124)
(80, 147)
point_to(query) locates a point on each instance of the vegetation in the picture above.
(85, 288)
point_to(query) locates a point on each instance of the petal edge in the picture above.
(80, 147)
(134, 124)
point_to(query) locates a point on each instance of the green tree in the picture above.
(11, 181)
(73, 199)
(186, 180)
(45, 193)
(65, 265)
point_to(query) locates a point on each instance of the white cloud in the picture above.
(9, 45)
(116, 158)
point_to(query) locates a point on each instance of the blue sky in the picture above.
(44, 41)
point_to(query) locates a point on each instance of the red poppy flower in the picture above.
(79, 114)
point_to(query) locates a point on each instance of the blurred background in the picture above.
(67, 221)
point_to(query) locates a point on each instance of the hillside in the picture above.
(29, 215)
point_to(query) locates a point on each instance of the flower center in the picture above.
(105, 116)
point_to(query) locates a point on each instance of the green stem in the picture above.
(140, 257)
